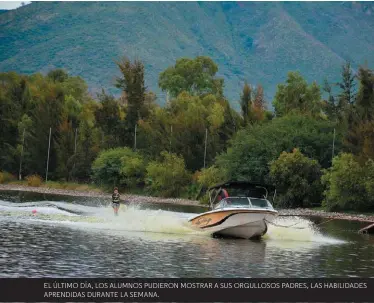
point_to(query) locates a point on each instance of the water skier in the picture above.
(116, 201)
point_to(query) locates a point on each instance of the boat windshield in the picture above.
(233, 202)
(243, 202)
(247, 192)
(261, 203)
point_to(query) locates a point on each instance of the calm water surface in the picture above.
(80, 237)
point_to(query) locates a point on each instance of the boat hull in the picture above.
(252, 230)
(238, 223)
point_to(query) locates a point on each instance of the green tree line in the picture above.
(316, 145)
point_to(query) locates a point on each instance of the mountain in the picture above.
(254, 41)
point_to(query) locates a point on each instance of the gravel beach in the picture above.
(96, 194)
(325, 214)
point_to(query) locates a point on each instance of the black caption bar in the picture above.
(186, 290)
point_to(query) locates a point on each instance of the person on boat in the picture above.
(116, 201)
(222, 194)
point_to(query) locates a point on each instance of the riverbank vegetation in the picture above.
(316, 145)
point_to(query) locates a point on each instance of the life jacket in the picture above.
(115, 198)
(223, 194)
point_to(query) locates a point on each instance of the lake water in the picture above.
(80, 237)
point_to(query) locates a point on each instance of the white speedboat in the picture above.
(242, 211)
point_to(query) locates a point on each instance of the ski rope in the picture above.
(292, 225)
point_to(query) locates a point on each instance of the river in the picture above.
(56, 236)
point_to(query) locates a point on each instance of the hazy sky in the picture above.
(11, 4)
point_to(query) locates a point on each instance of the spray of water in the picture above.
(298, 231)
(155, 223)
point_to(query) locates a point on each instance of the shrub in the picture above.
(6, 177)
(208, 177)
(369, 180)
(106, 168)
(192, 191)
(119, 166)
(211, 176)
(349, 186)
(34, 180)
(168, 177)
(112, 166)
(132, 170)
(297, 180)
(251, 150)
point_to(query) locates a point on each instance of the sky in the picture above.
(11, 4)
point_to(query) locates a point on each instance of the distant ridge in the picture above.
(254, 41)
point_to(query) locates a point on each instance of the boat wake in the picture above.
(133, 219)
(130, 218)
(292, 231)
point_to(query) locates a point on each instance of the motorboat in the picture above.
(238, 209)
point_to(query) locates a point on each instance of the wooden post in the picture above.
(75, 141)
(333, 146)
(206, 139)
(75, 152)
(135, 138)
(20, 162)
(171, 135)
(49, 147)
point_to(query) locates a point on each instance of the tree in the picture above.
(359, 140)
(65, 150)
(24, 136)
(108, 118)
(132, 169)
(250, 151)
(365, 95)
(345, 101)
(119, 167)
(48, 113)
(14, 101)
(168, 177)
(297, 180)
(72, 109)
(181, 128)
(349, 184)
(106, 168)
(360, 119)
(259, 105)
(132, 84)
(347, 86)
(29, 106)
(297, 95)
(246, 103)
(58, 75)
(154, 134)
(330, 108)
(195, 76)
(88, 146)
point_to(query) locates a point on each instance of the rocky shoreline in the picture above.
(148, 199)
(305, 212)
(96, 194)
